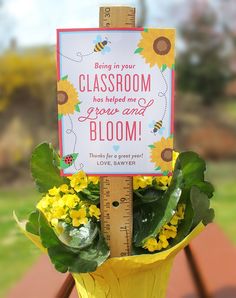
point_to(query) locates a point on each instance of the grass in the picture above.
(229, 108)
(223, 175)
(17, 253)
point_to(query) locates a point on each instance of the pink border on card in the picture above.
(59, 76)
(172, 100)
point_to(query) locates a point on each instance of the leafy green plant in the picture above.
(66, 220)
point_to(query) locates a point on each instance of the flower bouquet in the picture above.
(168, 212)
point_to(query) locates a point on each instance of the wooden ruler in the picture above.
(117, 192)
(117, 16)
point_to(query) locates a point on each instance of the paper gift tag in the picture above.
(115, 95)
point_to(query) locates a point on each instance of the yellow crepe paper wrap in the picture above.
(142, 276)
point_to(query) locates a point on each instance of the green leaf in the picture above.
(47, 234)
(32, 225)
(64, 77)
(157, 168)
(138, 50)
(44, 168)
(89, 198)
(148, 195)
(77, 107)
(193, 171)
(60, 267)
(89, 259)
(205, 187)
(68, 258)
(173, 67)
(151, 146)
(165, 173)
(209, 217)
(149, 218)
(163, 68)
(60, 116)
(201, 204)
(61, 257)
(188, 173)
(145, 29)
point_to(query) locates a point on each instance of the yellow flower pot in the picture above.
(142, 276)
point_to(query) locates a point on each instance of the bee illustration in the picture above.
(101, 45)
(157, 127)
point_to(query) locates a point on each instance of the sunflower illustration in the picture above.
(157, 47)
(67, 97)
(161, 154)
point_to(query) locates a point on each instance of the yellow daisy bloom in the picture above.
(161, 154)
(158, 47)
(67, 97)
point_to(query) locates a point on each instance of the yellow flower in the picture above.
(163, 182)
(161, 154)
(93, 179)
(94, 211)
(71, 191)
(78, 217)
(54, 191)
(64, 188)
(58, 212)
(141, 181)
(54, 222)
(59, 203)
(169, 231)
(151, 244)
(180, 211)
(159, 245)
(67, 97)
(179, 214)
(174, 220)
(70, 200)
(163, 241)
(45, 203)
(158, 47)
(79, 181)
